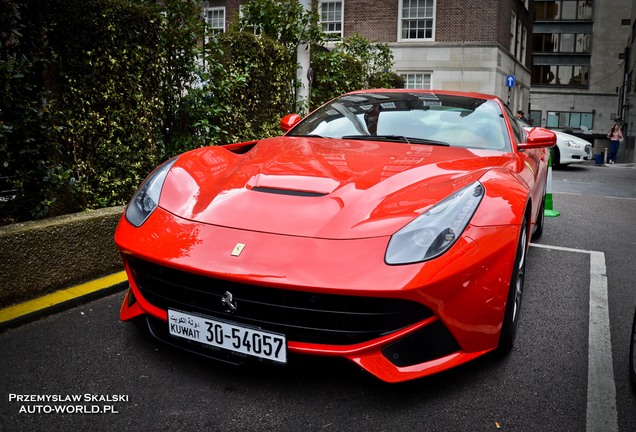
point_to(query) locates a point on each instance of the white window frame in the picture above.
(517, 52)
(524, 43)
(342, 6)
(426, 79)
(433, 19)
(513, 32)
(207, 10)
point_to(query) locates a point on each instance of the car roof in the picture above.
(430, 91)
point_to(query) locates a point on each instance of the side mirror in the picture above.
(289, 121)
(538, 138)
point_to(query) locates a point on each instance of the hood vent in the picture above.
(288, 192)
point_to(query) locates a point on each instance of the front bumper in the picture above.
(571, 155)
(397, 322)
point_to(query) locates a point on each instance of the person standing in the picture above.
(521, 116)
(615, 136)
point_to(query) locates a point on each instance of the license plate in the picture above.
(230, 336)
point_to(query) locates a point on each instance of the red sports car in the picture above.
(388, 227)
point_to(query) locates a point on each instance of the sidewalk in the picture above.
(14, 316)
(622, 165)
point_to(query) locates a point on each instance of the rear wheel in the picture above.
(515, 293)
(555, 155)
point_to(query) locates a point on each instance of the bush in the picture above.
(96, 94)
(29, 166)
(335, 73)
(107, 80)
(266, 88)
(355, 64)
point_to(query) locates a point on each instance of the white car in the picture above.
(569, 149)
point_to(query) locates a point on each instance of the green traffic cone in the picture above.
(549, 205)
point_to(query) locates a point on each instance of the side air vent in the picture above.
(288, 192)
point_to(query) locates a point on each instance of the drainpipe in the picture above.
(622, 98)
(303, 71)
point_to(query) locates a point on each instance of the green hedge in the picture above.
(107, 82)
(97, 93)
(266, 94)
(26, 113)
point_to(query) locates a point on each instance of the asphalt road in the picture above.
(128, 382)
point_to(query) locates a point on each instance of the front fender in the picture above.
(505, 201)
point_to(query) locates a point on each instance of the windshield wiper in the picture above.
(396, 138)
(308, 135)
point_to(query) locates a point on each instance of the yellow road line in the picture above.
(61, 296)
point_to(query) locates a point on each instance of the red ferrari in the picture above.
(388, 227)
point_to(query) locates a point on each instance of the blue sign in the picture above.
(510, 80)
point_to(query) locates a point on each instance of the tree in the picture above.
(287, 22)
(353, 64)
(376, 59)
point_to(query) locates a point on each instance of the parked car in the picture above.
(570, 149)
(388, 227)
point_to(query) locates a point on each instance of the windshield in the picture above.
(410, 117)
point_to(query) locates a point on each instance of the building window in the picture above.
(518, 38)
(535, 118)
(561, 76)
(564, 10)
(513, 32)
(331, 17)
(215, 17)
(417, 80)
(563, 119)
(524, 43)
(561, 43)
(517, 51)
(417, 18)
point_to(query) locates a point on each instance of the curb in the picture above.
(32, 310)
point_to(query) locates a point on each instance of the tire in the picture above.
(556, 156)
(632, 355)
(515, 293)
(538, 227)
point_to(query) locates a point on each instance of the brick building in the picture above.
(470, 45)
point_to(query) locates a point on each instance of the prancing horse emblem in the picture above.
(228, 301)
(238, 249)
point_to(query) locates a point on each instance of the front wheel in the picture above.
(538, 227)
(515, 293)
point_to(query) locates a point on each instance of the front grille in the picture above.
(301, 316)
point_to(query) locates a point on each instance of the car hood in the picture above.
(319, 187)
(562, 137)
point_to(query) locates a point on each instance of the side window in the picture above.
(520, 133)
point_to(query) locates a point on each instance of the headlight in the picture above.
(570, 143)
(434, 232)
(146, 199)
